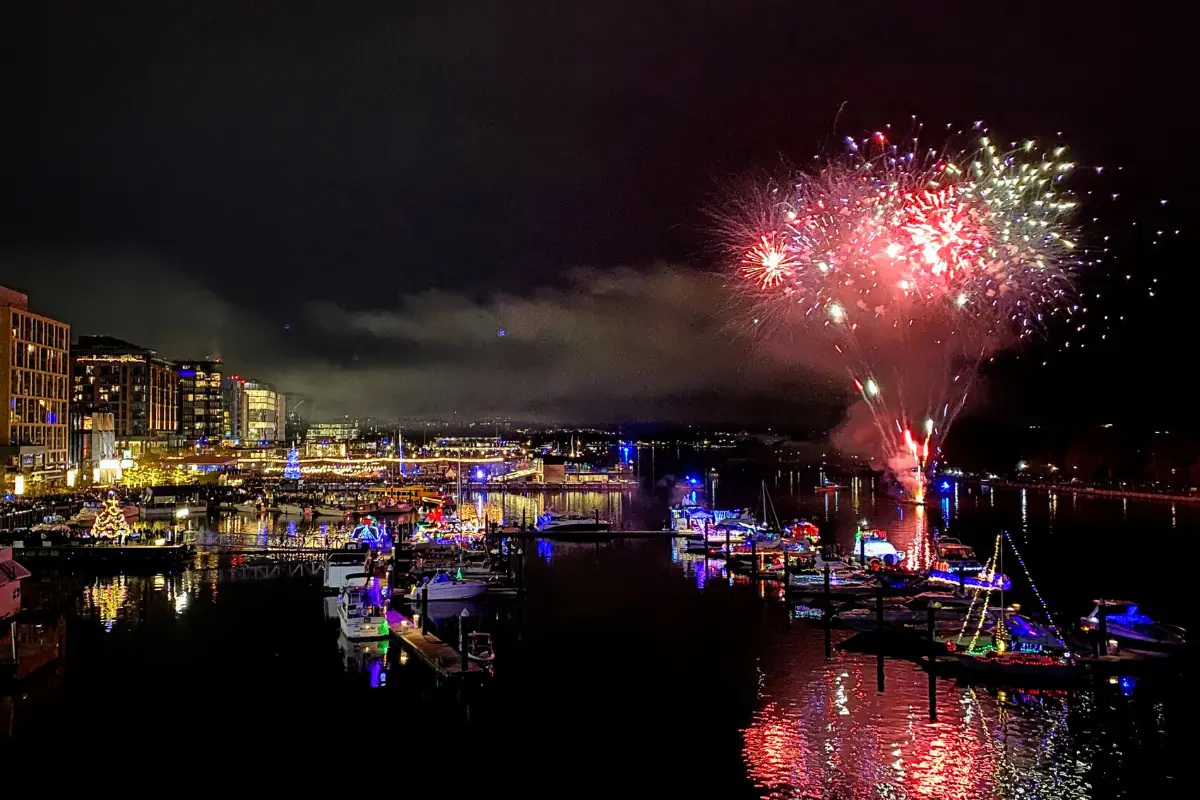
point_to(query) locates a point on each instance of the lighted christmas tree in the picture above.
(110, 522)
(291, 470)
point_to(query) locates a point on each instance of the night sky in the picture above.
(353, 201)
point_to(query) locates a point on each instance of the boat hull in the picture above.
(1003, 670)
(361, 629)
(463, 590)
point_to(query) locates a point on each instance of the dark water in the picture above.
(628, 668)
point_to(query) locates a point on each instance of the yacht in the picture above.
(1131, 628)
(359, 617)
(443, 587)
(290, 509)
(559, 522)
(344, 568)
(322, 510)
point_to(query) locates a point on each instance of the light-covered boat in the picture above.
(361, 615)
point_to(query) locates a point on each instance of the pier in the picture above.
(443, 659)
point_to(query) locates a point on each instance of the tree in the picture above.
(110, 522)
(291, 470)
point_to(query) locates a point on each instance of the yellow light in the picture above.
(19, 486)
(72, 477)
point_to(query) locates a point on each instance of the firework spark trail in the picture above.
(915, 263)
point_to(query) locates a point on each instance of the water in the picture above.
(619, 672)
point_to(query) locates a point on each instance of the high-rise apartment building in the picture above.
(130, 382)
(201, 415)
(255, 412)
(34, 370)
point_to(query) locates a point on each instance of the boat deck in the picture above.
(441, 657)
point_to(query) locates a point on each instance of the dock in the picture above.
(439, 656)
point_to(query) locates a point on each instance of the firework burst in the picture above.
(916, 262)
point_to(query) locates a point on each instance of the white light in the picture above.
(72, 477)
(19, 486)
(872, 387)
(837, 312)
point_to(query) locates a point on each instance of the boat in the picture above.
(359, 617)
(556, 522)
(957, 565)
(290, 509)
(443, 587)
(1132, 629)
(479, 647)
(322, 510)
(1026, 668)
(249, 507)
(344, 568)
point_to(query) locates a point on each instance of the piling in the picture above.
(754, 557)
(425, 609)
(728, 549)
(787, 572)
(828, 617)
(930, 615)
(1102, 645)
(862, 549)
(962, 582)
(879, 632)
(521, 568)
(463, 624)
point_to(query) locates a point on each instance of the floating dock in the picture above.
(441, 657)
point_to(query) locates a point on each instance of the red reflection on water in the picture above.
(824, 731)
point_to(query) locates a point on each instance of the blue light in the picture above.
(694, 481)
(478, 473)
(945, 486)
(187, 373)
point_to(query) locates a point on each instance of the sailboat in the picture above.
(1008, 657)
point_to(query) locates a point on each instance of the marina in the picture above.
(577, 597)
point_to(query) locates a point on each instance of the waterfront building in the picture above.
(34, 373)
(132, 383)
(346, 430)
(93, 446)
(201, 407)
(255, 412)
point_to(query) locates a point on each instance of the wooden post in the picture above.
(425, 608)
(828, 616)
(728, 548)
(754, 556)
(879, 632)
(521, 568)
(962, 582)
(1103, 615)
(930, 615)
(462, 639)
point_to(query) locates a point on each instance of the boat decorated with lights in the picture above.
(1132, 629)
(361, 612)
(443, 587)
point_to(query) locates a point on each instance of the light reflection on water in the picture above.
(822, 730)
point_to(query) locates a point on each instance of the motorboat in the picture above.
(1132, 629)
(249, 507)
(290, 509)
(957, 565)
(360, 615)
(479, 647)
(442, 587)
(343, 568)
(322, 510)
(555, 522)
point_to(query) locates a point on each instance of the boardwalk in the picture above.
(441, 657)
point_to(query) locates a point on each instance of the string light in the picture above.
(1045, 608)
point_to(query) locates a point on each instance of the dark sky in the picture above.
(352, 199)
